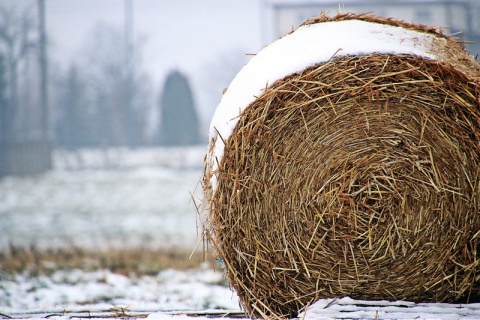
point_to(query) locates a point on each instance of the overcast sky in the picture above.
(185, 34)
(180, 33)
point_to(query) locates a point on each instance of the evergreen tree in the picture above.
(179, 124)
(77, 125)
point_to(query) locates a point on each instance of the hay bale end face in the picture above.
(353, 174)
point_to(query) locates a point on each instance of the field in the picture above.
(107, 229)
(113, 233)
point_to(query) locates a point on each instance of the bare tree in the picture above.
(24, 148)
(117, 117)
(18, 40)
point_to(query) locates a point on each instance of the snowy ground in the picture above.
(100, 199)
(106, 199)
(76, 291)
(179, 295)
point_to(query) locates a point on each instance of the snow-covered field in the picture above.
(77, 291)
(101, 200)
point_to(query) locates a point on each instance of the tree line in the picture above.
(97, 100)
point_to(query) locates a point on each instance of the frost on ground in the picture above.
(107, 200)
(76, 290)
(346, 308)
(179, 295)
(101, 200)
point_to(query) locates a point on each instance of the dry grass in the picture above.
(133, 261)
(358, 177)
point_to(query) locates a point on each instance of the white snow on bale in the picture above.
(307, 46)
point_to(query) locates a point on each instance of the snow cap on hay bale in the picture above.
(344, 161)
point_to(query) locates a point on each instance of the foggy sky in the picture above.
(183, 34)
(180, 33)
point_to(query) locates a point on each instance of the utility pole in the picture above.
(43, 72)
(129, 72)
(45, 148)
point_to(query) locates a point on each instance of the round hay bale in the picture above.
(355, 171)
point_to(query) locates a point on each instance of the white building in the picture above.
(459, 17)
